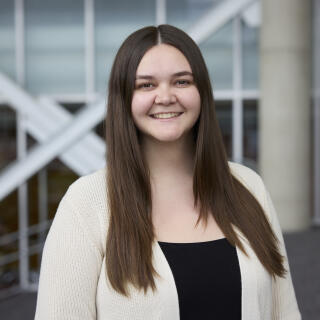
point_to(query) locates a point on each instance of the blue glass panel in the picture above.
(224, 115)
(55, 60)
(250, 56)
(7, 38)
(184, 13)
(217, 51)
(250, 133)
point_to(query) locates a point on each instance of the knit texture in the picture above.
(73, 283)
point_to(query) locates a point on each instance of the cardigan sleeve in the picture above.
(70, 267)
(285, 305)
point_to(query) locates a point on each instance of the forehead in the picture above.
(163, 58)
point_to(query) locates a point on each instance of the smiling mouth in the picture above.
(168, 116)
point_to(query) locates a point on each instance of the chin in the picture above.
(167, 139)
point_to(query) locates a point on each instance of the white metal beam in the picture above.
(316, 111)
(43, 214)
(237, 105)
(45, 117)
(216, 18)
(161, 12)
(19, 41)
(39, 156)
(23, 207)
(89, 48)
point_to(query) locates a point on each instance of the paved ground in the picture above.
(304, 257)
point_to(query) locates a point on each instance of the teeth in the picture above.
(166, 115)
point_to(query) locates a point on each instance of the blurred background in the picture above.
(263, 58)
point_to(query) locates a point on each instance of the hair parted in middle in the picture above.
(130, 233)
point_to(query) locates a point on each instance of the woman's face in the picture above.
(164, 85)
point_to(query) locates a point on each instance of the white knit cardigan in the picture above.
(73, 283)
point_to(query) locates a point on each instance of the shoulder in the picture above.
(87, 196)
(244, 173)
(250, 179)
(88, 193)
(88, 188)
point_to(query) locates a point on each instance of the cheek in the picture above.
(197, 102)
(191, 100)
(141, 103)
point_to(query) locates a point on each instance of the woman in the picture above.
(169, 229)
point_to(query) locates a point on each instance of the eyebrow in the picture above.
(177, 74)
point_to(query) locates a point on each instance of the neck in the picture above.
(169, 160)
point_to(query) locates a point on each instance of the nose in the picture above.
(165, 96)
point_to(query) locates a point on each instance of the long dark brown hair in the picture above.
(131, 233)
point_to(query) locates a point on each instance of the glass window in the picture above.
(217, 52)
(115, 20)
(184, 13)
(250, 56)
(55, 61)
(250, 133)
(7, 136)
(7, 39)
(8, 205)
(9, 273)
(59, 177)
(224, 114)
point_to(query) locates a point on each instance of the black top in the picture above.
(207, 277)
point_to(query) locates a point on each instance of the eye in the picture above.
(146, 85)
(183, 82)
